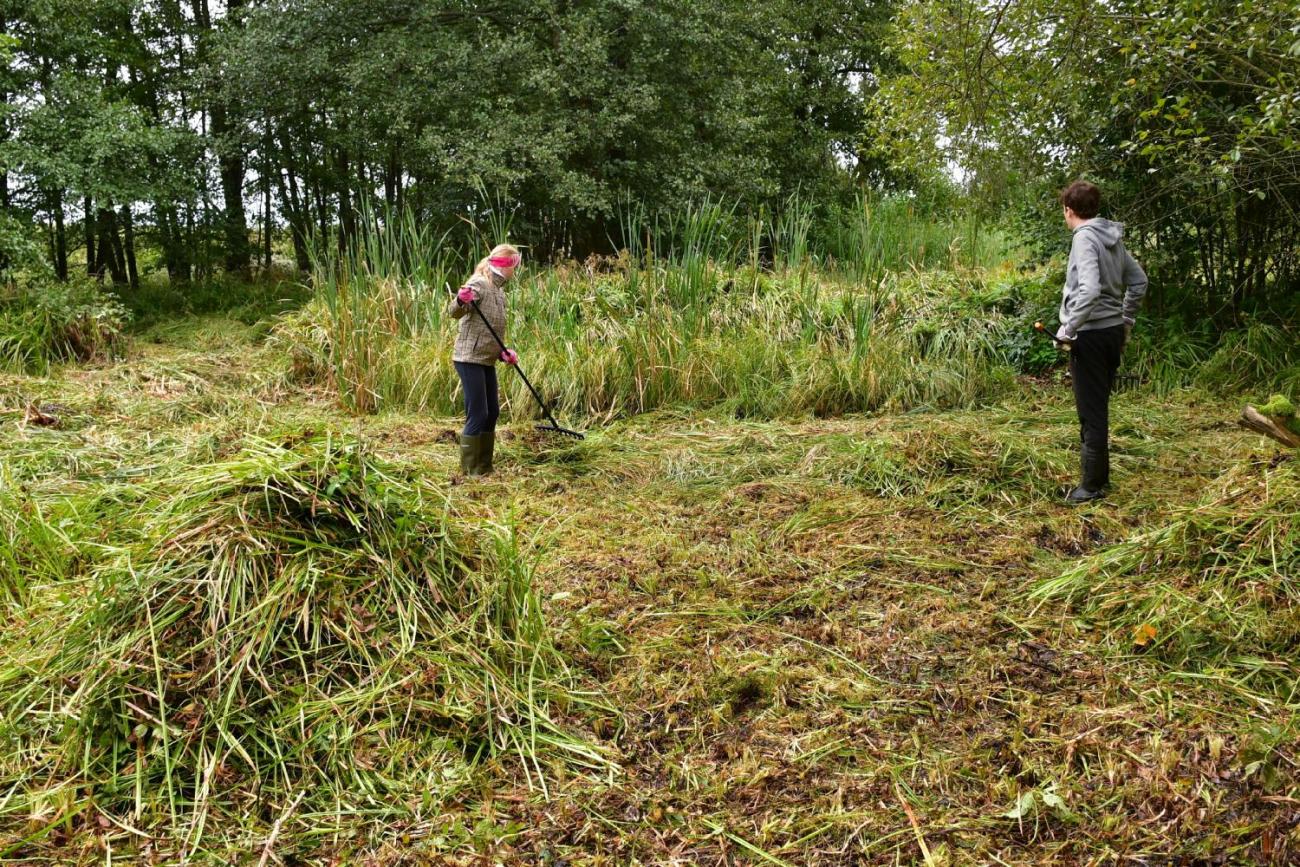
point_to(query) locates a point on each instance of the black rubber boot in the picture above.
(1094, 479)
(470, 450)
(487, 444)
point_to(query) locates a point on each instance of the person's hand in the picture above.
(467, 295)
(509, 356)
(1064, 342)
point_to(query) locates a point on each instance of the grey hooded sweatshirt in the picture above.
(1104, 285)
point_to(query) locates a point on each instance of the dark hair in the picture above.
(1083, 198)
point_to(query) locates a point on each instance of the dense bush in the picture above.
(156, 300)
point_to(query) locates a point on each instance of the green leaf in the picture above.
(1026, 806)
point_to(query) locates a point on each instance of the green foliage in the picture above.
(46, 322)
(1034, 804)
(568, 108)
(1185, 113)
(679, 321)
(157, 301)
(1257, 357)
(81, 140)
(1281, 408)
(1278, 405)
(20, 251)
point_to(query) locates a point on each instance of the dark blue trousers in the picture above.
(482, 403)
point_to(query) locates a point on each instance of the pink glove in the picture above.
(509, 356)
(467, 295)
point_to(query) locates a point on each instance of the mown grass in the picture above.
(784, 635)
(1214, 590)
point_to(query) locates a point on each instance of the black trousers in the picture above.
(482, 403)
(1094, 360)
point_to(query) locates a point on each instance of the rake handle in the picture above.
(519, 370)
(1042, 329)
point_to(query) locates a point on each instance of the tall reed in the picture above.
(377, 291)
(686, 318)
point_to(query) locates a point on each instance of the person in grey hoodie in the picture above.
(1104, 286)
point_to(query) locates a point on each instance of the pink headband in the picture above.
(503, 261)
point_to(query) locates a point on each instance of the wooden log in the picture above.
(1253, 419)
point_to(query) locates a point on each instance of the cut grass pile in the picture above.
(1215, 589)
(296, 624)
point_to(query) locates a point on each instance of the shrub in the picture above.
(270, 295)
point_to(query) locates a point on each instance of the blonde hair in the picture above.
(484, 267)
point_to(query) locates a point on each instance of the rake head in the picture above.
(563, 431)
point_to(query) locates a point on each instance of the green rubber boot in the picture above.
(470, 449)
(486, 444)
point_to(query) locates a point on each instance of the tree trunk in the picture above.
(347, 216)
(4, 128)
(296, 209)
(60, 238)
(391, 174)
(110, 248)
(322, 208)
(92, 261)
(128, 230)
(165, 214)
(175, 251)
(230, 161)
(1253, 419)
(191, 241)
(266, 202)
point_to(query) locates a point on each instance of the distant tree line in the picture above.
(1186, 111)
(207, 126)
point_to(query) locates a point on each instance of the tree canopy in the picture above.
(1187, 113)
(190, 113)
(207, 125)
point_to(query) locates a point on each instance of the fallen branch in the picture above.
(1253, 419)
